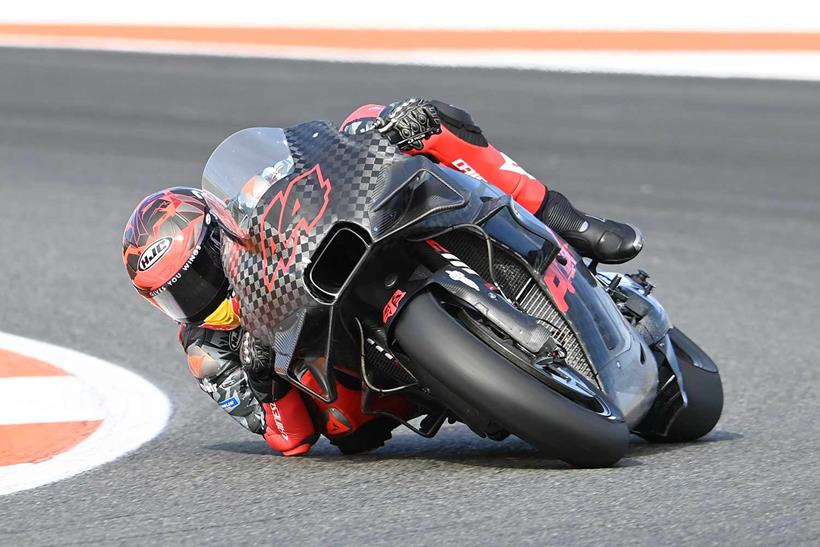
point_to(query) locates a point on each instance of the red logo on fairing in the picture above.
(435, 245)
(559, 278)
(392, 305)
(293, 212)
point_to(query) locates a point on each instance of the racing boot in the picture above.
(604, 240)
(288, 426)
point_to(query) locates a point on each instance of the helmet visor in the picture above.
(193, 293)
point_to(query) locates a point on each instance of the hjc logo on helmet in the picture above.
(154, 252)
(294, 211)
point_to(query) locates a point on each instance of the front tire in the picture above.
(464, 373)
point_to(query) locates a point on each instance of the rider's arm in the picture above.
(267, 406)
(459, 144)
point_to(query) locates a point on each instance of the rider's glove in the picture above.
(408, 123)
(255, 357)
(257, 362)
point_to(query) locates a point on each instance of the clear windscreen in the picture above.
(245, 165)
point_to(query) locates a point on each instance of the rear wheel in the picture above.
(556, 410)
(704, 391)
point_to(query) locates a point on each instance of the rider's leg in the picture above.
(456, 141)
(462, 146)
(346, 424)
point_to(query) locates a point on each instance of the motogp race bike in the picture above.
(351, 259)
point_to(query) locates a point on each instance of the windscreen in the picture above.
(245, 165)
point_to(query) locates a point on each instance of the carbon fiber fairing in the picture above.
(358, 180)
(333, 179)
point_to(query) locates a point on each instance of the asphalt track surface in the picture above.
(723, 177)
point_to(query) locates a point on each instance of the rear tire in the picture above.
(704, 391)
(462, 372)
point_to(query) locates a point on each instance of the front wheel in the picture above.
(470, 377)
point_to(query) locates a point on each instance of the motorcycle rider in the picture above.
(171, 250)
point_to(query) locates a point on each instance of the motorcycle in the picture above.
(351, 259)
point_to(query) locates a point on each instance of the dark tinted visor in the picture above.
(196, 291)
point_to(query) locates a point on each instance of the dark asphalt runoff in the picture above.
(722, 176)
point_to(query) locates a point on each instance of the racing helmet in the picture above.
(171, 250)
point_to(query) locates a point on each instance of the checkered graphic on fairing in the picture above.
(352, 165)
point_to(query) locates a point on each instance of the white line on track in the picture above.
(43, 400)
(134, 413)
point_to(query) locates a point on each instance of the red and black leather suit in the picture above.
(290, 422)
